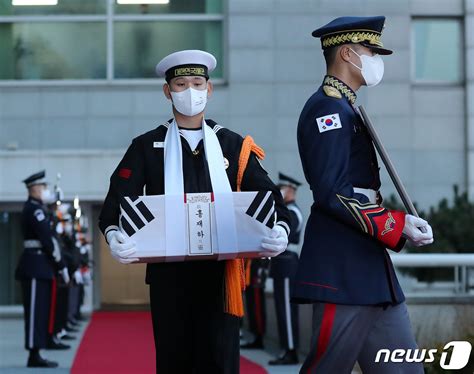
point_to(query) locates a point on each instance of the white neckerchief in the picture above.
(174, 190)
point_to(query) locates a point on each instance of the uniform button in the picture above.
(196, 152)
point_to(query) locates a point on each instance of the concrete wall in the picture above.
(434, 322)
(274, 65)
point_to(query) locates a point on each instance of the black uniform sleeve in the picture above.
(294, 220)
(128, 179)
(255, 178)
(326, 160)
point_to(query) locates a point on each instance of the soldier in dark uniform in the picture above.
(255, 302)
(194, 330)
(344, 268)
(39, 263)
(283, 271)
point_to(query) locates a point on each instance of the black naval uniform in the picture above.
(192, 333)
(36, 270)
(283, 271)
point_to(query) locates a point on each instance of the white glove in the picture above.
(87, 277)
(78, 277)
(412, 231)
(121, 247)
(65, 275)
(276, 243)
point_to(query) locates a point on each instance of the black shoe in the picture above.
(37, 361)
(71, 329)
(256, 344)
(68, 337)
(288, 358)
(55, 344)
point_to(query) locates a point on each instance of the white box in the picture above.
(143, 218)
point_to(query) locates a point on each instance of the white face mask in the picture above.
(372, 68)
(190, 101)
(47, 197)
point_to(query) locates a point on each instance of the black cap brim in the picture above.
(378, 50)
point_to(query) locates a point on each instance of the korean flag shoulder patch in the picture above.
(329, 122)
(39, 214)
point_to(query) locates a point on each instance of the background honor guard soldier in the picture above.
(62, 293)
(283, 271)
(38, 264)
(344, 268)
(195, 305)
(255, 303)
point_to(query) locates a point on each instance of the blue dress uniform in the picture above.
(283, 271)
(36, 270)
(344, 268)
(343, 259)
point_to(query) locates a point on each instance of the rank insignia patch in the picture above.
(330, 122)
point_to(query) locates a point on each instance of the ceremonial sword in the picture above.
(402, 192)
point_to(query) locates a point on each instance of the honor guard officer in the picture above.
(39, 262)
(344, 268)
(195, 320)
(283, 271)
(255, 302)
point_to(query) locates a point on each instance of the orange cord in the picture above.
(237, 272)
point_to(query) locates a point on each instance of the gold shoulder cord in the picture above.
(341, 87)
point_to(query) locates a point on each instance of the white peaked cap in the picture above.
(186, 57)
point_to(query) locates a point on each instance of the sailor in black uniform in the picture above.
(192, 329)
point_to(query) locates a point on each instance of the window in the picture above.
(11, 247)
(140, 45)
(104, 39)
(56, 50)
(438, 48)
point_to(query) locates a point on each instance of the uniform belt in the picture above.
(34, 251)
(370, 194)
(32, 244)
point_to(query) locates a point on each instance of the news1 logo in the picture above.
(454, 356)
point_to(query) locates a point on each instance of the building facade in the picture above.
(76, 85)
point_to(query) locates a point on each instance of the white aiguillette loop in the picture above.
(176, 229)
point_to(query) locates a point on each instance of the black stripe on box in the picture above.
(271, 220)
(126, 226)
(132, 214)
(145, 211)
(265, 210)
(256, 203)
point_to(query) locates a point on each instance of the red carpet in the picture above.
(106, 346)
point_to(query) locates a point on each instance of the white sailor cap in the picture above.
(191, 62)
